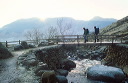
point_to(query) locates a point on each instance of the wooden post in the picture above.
(6, 44)
(121, 39)
(19, 41)
(78, 39)
(101, 39)
(112, 39)
(57, 39)
(63, 39)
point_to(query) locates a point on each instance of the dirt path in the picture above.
(11, 73)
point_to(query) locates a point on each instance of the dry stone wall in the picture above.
(117, 55)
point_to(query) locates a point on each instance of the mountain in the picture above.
(17, 29)
(117, 28)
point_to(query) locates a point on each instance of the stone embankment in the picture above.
(65, 64)
(117, 56)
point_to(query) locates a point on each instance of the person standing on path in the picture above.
(86, 32)
(96, 34)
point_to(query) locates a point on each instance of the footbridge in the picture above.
(75, 40)
(79, 39)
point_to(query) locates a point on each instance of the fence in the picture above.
(72, 38)
(91, 38)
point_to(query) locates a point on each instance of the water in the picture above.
(78, 75)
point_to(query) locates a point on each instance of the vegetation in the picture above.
(4, 53)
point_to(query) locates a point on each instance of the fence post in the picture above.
(57, 39)
(78, 39)
(112, 39)
(6, 44)
(19, 41)
(121, 39)
(101, 39)
(63, 39)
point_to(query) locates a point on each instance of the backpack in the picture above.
(97, 31)
(87, 31)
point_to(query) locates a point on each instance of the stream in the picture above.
(10, 72)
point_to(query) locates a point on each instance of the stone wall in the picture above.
(117, 56)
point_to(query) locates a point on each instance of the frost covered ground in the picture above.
(11, 73)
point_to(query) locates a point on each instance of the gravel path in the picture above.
(11, 73)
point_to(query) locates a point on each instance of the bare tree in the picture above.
(63, 27)
(34, 34)
(52, 32)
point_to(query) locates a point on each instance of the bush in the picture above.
(4, 53)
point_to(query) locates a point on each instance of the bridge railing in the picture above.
(91, 38)
(13, 43)
(71, 39)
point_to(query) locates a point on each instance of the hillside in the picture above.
(118, 28)
(11, 31)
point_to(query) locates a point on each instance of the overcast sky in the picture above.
(11, 10)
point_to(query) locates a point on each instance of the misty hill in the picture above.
(117, 28)
(17, 29)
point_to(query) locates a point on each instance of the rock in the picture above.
(31, 46)
(42, 67)
(94, 56)
(62, 72)
(48, 77)
(61, 79)
(40, 72)
(21, 58)
(51, 43)
(18, 47)
(23, 55)
(105, 74)
(28, 63)
(24, 44)
(68, 64)
(32, 62)
(44, 43)
(40, 55)
(4, 53)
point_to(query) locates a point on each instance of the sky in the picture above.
(12, 10)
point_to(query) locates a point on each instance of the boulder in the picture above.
(40, 54)
(40, 72)
(30, 62)
(24, 44)
(31, 46)
(42, 67)
(61, 79)
(68, 64)
(44, 43)
(4, 53)
(62, 72)
(18, 47)
(105, 74)
(48, 77)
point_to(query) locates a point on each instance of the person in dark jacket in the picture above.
(96, 34)
(86, 32)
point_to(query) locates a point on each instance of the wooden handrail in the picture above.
(78, 38)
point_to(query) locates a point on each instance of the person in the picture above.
(86, 32)
(96, 34)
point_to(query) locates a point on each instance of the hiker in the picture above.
(96, 34)
(86, 32)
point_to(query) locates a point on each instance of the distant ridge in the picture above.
(117, 28)
(11, 31)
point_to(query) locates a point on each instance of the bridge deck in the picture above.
(88, 43)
